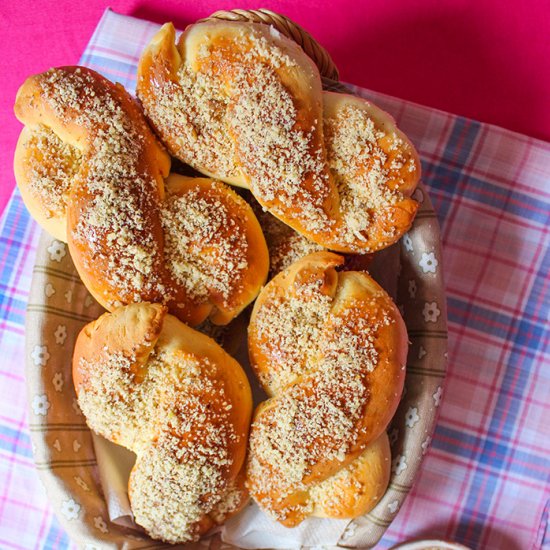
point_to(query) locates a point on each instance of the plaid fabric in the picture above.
(485, 479)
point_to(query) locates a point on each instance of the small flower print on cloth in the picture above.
(407, 241)
(57, 381)
(69, 296)
(431, 312)
(399, 464)
(349, 531)
(57, 251)
(70, 509)
(100, 524)
(428, 262)
(40, 355)
(60, 334)
(40, 404)
(411, 418)
(81, 483)
(393, 506)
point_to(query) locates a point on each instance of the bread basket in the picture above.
(59, 306)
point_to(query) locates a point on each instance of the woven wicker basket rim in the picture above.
(288, 28)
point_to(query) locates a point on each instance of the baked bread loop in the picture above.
(93, 174)
(330, 349)
(214, 248)
(170, 394)
(241, 102)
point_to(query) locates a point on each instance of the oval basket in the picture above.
(59, 305)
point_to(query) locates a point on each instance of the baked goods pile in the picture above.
(163, 252)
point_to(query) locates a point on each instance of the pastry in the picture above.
(287, 246)
(146, 381)
(240, 102)
(329, 348)
(93, 174)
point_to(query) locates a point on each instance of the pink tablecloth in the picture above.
(475, 59)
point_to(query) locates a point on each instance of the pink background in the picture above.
(488, 60)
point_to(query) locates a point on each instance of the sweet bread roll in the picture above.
(148, 382)
(93, 174)
(330, 349)
(240, 102)
(214, 249)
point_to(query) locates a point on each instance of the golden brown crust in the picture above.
(44, 168)
(356, 489)
(92, 173)
(330, 349)
(173, 396)
(243, 103)
(214, 248)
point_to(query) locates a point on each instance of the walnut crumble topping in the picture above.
(234, 114)
(205, 249)
(113, 226)
(320, 358)
(285, 245)
(365, 162)
(51, 167)
(176, 418)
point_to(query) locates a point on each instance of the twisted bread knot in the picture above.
(243, 103)
(92, 172)
(148, 382)
(329, 348)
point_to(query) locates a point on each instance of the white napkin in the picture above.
(114, 464)
(254, 529)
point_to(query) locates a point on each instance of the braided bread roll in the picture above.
(330, 349)
(243, 103)
(93, 174)
(148, 382)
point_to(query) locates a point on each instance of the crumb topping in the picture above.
(320, 356)
(235, 109)
(190, 117)
(365, 162)
(51, 167)
(232, 112)
(139, 244)
(285, 245)
(205, 247)
(113, 226)
(175, 416)
(288, 331)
